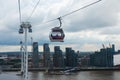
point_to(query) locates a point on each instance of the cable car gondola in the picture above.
(57, 33)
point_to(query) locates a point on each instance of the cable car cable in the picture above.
(19, 6)
(81, 8)
(76, 10)
(33, 9)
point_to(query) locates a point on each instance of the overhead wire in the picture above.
(19, 6)
(20, 17)
(33, 10)
(75, 11)
(81, 8)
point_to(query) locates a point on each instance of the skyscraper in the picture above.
(58, 59)
(46, 55)
(104, 58)
(71, 58)
(113, 48)
(35, 57)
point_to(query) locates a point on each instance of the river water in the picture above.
(83, 75)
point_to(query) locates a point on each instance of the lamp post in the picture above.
(24, 27)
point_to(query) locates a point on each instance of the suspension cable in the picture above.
(33, 10)
(19, 11)
(76, 10)
(81, 8)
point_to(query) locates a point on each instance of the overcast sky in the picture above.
(85, 30)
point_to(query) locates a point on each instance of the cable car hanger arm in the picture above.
(60, 21)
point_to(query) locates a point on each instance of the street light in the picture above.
(24, 27)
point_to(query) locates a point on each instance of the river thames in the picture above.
(83, 75)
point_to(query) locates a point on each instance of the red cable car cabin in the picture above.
(57, 35)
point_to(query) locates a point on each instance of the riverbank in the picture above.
(62, 69)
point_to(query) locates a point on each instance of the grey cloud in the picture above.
(9, 38)
(97, 16)
(110, 31)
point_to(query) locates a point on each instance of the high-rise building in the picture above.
(35, 55)
(104, 58)
(46, 55)
(68, 56)
(58, 59)
(113, 48)
(71, 58)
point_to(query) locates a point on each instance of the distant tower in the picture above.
(58, 58)
(113, 48)
(46, 55)
(35, 56)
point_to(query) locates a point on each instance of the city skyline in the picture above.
(85, 30)
(69, 51)
(13, 48)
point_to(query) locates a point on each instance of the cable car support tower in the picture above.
(25, 27)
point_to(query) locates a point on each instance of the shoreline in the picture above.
(61, 69)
